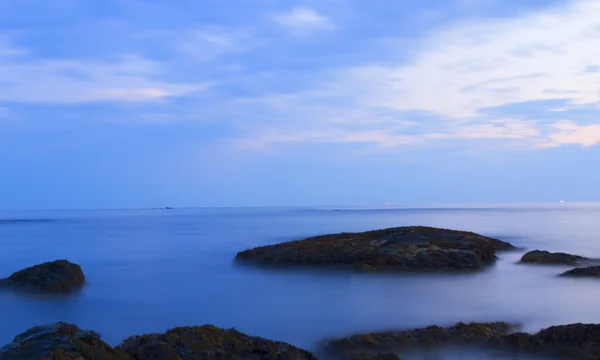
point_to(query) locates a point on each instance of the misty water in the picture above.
(151, 270)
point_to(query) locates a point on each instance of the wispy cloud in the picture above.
(131, 78)
(302, 20)
(456, 74)
(570, 133)
(490, 63)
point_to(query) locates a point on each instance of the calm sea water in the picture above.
(151, 270)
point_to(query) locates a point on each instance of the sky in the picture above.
(147, 103)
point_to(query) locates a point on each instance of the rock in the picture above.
(574, 342)
(60, 341)
(56, 277)
(548, 258)
(395, 249)
(392, 341)
(208, 342)
(375, 357)
(590, 271)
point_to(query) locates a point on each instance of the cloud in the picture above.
(209, 43)
(302, 20)
(131, 78)
(572, 133)
(456, 74)
(466, 67)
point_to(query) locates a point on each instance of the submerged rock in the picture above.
(57, 277)
(208, 342)
(590, 271)
(391, 341)
(549, 258)
(413, 248)
(60, 341)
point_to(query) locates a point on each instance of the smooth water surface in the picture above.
(150, 270)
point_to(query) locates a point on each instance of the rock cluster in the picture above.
(62, 341)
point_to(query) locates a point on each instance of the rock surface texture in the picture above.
(549, 258)
(55, 277)
(414, 248)
(60, 341)
(208, 342)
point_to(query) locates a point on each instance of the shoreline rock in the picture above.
(431, 336)
(543, 257)
(68, 342)
(208, 342)
(573, 341)
(60, 341)
(590, 271)
(60, 276)
(412, 248)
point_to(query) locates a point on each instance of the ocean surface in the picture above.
(151, 270)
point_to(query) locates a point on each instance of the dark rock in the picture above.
(391, 341)
(60, 341)
(208, 342)
(548, 258)
(574, 342)
(396, 249)
(56, 277)
(590, 271)
(375, 357)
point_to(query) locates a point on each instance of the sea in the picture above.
(149, 270)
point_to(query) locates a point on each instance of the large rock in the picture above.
(57, 277)
(60, 341)
(393, 341)
(208, 342)
(590, 271)
(396, 249)
(549, 258)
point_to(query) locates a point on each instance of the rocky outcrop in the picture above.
(549, 258)
(208, 342)
(590, 271)
(60, 341)
(573, 342)
(414, 248)
(58, 276)
(393, 341)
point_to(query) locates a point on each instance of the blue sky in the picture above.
(141, 103)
